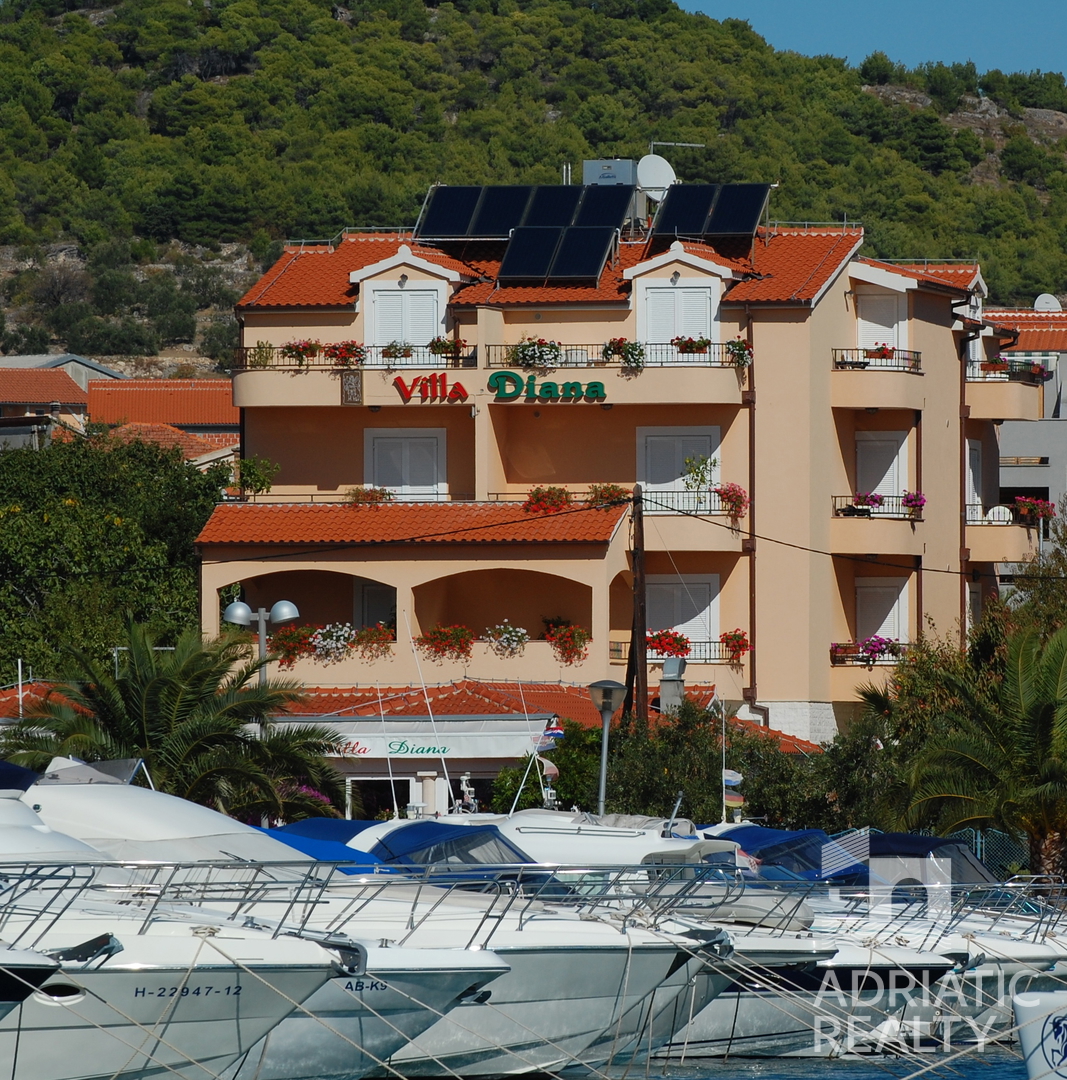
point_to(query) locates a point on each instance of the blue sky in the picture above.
(1021, 36)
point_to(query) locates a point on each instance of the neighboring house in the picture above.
(197, 451)
(200, 407)
(36, 401)
(859, 385)
(79, 368)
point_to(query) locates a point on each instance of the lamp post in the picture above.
(607, 696)
(242, 615)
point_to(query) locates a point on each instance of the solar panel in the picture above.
(449, 211)
(738, 210)
(582, 252)
(685, 209)
(553, 205)
(500, 211)
(530, 252)
(605, 205)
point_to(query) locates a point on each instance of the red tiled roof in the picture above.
(1039, 331)
(962, 276)
(163, 401)
(470, 697)
(392, 523)
(191, 446)
(39, 386)
(782, 266)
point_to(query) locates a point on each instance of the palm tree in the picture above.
(1000, 757)
(198, 717)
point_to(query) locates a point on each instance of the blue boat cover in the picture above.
(799, 852)
(15, 777)
(327, 828)
(412, 843)
(326, 850)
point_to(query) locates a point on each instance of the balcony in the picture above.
(656, 355)
(1005, 390)
(700, 652)
(384, 357)
(1000, 534)
(888, 529)
(891, 506)
(877, 378)
(869, 653)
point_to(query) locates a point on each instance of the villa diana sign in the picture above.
(504, 385)
(490, 738)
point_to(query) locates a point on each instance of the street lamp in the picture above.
(240, 613)
(607, 696)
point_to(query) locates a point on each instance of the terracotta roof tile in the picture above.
(191, 446)
(39, 386)
(163, 401)
(424, 523)
(1039, 331)
(962, 276)
(471, 697)
(794, 265)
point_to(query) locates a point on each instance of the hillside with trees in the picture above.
(138, 142)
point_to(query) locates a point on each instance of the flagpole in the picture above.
(722, 713)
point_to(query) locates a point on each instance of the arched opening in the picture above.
(322, 596)
(483, 598)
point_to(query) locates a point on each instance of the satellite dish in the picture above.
(654, 176)
(1045, 302)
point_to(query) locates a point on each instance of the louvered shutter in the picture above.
(420, 474)
(421, 319)
(659, 316)
(693, 317)
(388, 316)
(880, 462)
(665, 457)
(877, 320)
(686, 606)
(388, 463)
(660, 605)
(880, 609)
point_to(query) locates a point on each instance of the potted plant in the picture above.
(446, 642)
(736, 643)
(882, 351)
(604, 496)
(878, 648)
(867, 498)
(913, 502)
(447, 347)
(374, 642)
(547, 500)
(739, 351)
(997, 364)
(1039, 370)
(345, 354)
(396, 349)
(332, 643)
(691, 344)
(630, 354)
(364, 495)
(301, 352)
(1033, 509)
(290, 643)
(667, 643)
(507, 641)
(535, 354)
(734, 499)
(569, 643)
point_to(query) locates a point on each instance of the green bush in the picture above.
(218, 340)
(106, 337)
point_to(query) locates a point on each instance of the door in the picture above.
(411, 463)
(687, 605)
(881, 608)
(377, 604)
(877, 317)
(661, 467)
(975, 506)
(881, 467)
(407, 316)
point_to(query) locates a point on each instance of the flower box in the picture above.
(691, 345)
(994, 365)
(880, 352)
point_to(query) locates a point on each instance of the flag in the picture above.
(549, 738)
(731, 778)
(550, 769)
(733, 799)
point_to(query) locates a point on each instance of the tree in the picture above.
(193, 714)
(999, 756)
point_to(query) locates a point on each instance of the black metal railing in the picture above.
(878, 359)
(553, 355)
(867, 653)
(1002, 514)
(1006, 371)
(682, 502)
(890, 506)
(388, 357)
(700, 652)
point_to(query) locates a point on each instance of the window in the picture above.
(410, 316)
(374, 603)
(879, 319)
(661, 457)
(975, 506)
(408, 461)
(679, 311)
(974, 604)
(882, 466)
(689, 605)
(882, 608)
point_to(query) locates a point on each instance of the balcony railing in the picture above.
(582, 356)
(866, 654)
(892, 506)
(1006, 371)
(877, 360)
(700, 652)
(682, 502)
(377, 356)
(1002, 514)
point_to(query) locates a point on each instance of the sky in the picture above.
(1026, 35)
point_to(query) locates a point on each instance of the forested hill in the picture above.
(211, 121)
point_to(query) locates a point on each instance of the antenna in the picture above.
(654, 176)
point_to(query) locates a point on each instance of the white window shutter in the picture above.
(686, 605)
(421, 323)
(877, 318)
(694, 312)
(974, 473)
(659, 316)
(661, 605)
(665, 457)
(881, 609)
(388, 316)
(420, 473)
(881, 464)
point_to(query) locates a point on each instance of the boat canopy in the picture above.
(431, 843)
(326, 850)
(337, 830)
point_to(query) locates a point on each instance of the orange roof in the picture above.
(191, 446)
(416, 522)
(39, 386)
(961, 276)
(471, 697)
(163, 401)
(1039, 331)
(780, 266)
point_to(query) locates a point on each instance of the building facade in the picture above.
(863, 442)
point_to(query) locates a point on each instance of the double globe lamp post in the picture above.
(241, 614)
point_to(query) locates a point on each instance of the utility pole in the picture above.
(638, 642)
